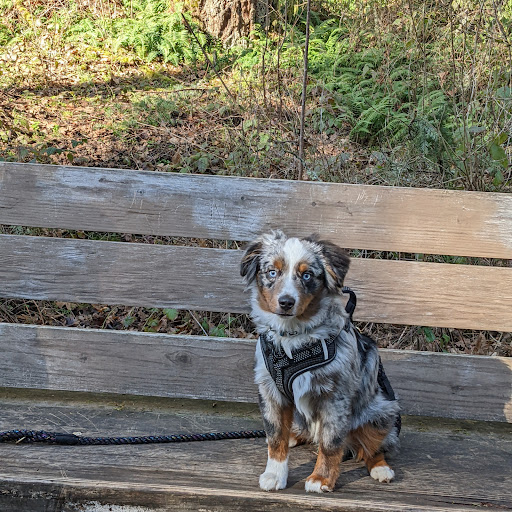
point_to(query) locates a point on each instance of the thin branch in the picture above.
(304, 85)
(198, 322)
(189, 28)
(263, 71)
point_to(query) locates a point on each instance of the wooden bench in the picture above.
(104, 382)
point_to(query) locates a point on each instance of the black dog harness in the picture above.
(284, 370)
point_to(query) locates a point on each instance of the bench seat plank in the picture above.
(230, 208)
(389, 291)
(123, 362)
(439, 468)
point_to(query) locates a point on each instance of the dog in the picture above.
(319, 379)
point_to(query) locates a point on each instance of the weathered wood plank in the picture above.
(440, 467)
(355, 216)
(451, 385)
(120, 273)
(402, 292)
(432, 384)
(126, 363)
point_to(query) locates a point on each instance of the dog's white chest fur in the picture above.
(302, 395)
(304, 399)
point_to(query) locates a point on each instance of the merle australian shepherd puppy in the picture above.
(319, 379)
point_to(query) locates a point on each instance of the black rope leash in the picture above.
(41, 436)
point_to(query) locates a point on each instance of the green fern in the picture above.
(156, 32)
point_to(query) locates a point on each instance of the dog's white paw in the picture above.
(272, 481)
(275, 476)
(382, 473)
(316, 486)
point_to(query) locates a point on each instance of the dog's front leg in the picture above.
(330, 452)
(278, 421)
(327, 470)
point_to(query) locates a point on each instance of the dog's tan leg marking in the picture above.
(367, 440)
(326, 472)
(278, 444)
(275, 476)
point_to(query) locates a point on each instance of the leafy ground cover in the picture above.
(409, 93)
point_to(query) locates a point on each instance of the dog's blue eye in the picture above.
(272, 273)
(306, 276)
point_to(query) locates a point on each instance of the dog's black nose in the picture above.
(286, 302)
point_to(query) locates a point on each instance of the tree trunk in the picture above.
(230, 20)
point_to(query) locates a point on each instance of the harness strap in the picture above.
(384, 383)
(351, 304)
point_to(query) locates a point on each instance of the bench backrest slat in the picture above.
(389, 291)
(56, 358)
(354, 216)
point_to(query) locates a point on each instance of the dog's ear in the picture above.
(314, 238)
(251, 261)
(336, 263)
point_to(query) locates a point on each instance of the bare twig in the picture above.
(284, 25)
(304, 85)
(189, 28)
(263, 71)
(201, 89)
(197, 322)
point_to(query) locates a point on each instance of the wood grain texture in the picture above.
(403, 292)
(451, 385)
(440, 467)
(120, 273)
(354, 216)
(431, 384)
(126, 363)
